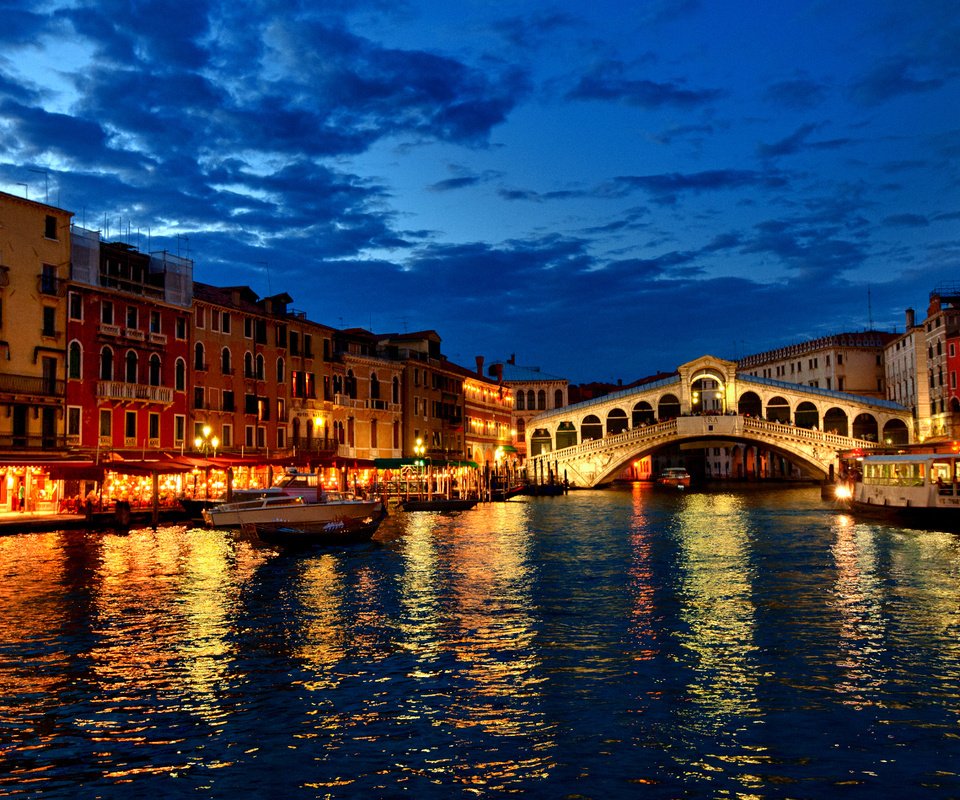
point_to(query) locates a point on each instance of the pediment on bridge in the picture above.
(726, 369)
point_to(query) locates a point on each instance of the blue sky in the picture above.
(604, 189)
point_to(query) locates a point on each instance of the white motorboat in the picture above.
(290, 510)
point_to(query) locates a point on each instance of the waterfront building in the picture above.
(844, 362)
(366, 400)
(905, 366)
(488, 407)
(942, 323)
(534, 392)
(431, 395)
(127, 333)
(34, 267)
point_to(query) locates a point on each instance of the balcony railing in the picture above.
(349, 402)
(116, 390)
(158, 338)
(135, 334)
(109, 330)
(28, 384)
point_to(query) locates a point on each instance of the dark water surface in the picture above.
(606, 644)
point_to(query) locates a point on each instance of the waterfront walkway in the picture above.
(13, 522)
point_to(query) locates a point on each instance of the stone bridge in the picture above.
(708, 401)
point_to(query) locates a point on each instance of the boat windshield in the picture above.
(894, 473)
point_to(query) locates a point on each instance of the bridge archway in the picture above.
(540, 442)
(807, 416)
(591, 428)
(643, 414)
(617, 420)
(865, 427)
(566, 435)
(835, 421)
(778, 410)
(707, 393)
(896, 432)
(668, 407)
(750, 405)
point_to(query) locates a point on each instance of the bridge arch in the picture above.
(643, 414)
(807, 415)
(668, 407)
(895, 431)
(591, 428)
(865, 427)
(778, 409)
(617, 420)
(835, 421)
(750, 404)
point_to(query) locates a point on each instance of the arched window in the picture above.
(558, 398)
(130, 371)
(248, 364)
(541, 400)
(75, 361)
(198, 362)
(260, 367)
(281, 371)
(106, 364)
(351, 385)
(531, 400)
(180, 375)
(154, 370)
(521, 405)
(374, 386)
(226, 367)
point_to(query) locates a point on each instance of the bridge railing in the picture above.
(810, 434)
(656, 431)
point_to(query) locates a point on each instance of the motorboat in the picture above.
(286, 509)
(910, 489)
(308, 533)
(674, 478)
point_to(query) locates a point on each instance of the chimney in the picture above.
(480, 366)
(911, 318)
(498, 371)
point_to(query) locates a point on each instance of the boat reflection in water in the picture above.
(674, 478)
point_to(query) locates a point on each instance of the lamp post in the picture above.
(206, 443)
(419, 450)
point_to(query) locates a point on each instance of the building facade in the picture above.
(534, 392)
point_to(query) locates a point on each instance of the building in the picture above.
(942, 323)
(488, 407)
(128, 323)
(34, 267)
(534, 392)
(905, 366)
(844, 362)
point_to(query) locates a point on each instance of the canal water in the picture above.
(623, 643)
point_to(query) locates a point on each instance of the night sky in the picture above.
(605, 189)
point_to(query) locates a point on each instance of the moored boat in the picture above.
(916, 489)
(674, 478)
(438, 504)
(307, 533)
(334, 506)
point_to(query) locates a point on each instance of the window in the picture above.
(281, 373)
(180, 376)
(130, 371)
(73, 420)
(226, 436)
(558, 398)
(521, 405)
(50, 227)
(214, 319)
(261, 436)
(154, 322)
(130, 425)
(248, 364)
(155, 370)
(180, 331)
(260, 367)
(225, 321)
(294, 343)
(228, 402)
(248, 435)
(225, 366)
(106, 364)
(198, 362)
(75, 306)
(307, 346)
(132, 317)
(281, 438)
(198, 397)
(200, 317)
(49, 321)
(247, 328)
(106, 423)
(250, 404)
(74, 361)
(281, 335)
(281, 410)
(106, 313)
(179, 427)
(153, 425)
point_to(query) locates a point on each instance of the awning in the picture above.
(507, 448)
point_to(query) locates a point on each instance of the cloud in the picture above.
(907, 221)
(609, 81)
(889, 79)
(797, 94)
(666, 187)
(528, 32)
(798, 141)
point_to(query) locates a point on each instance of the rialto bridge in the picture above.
(708, 402)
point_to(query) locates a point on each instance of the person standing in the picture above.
(21, 495)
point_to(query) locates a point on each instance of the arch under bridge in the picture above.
(708, 401)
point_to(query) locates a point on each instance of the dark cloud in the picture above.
(526, 32)
(892, 78)
(610, 81)
(665, 188)
(907, 221)
(797, 142)
(682, 131)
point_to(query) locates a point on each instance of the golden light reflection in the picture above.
(642, 581)
(717, 598)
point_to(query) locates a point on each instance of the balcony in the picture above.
(349, 402)
(109, 330)
(116, 390)
(135, 334)
(158, 338)
(28, 384)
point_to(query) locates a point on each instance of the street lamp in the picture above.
(206, 443)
